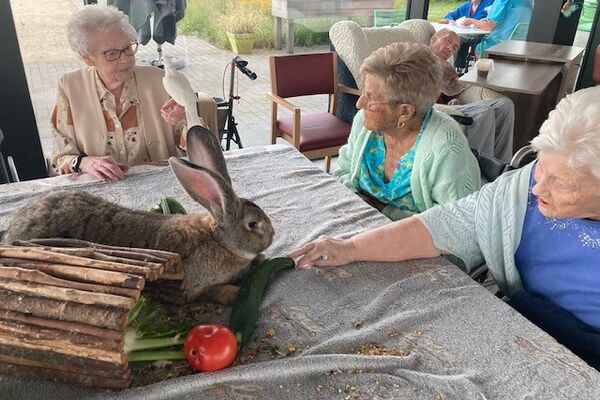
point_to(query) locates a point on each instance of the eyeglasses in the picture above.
(370, 102)
(115, 54)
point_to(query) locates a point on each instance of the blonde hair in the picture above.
(573, 129)
(410, 71)
(93, 19)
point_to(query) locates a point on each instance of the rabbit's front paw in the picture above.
(258, 259)
(223, 294)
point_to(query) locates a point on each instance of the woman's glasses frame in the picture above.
(113, 55)
(369, 103)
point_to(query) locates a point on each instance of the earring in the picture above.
(400, 125)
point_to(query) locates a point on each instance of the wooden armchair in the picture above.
(316, 135)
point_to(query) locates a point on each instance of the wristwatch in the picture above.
(76, 162)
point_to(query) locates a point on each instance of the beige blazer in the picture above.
(80, 88)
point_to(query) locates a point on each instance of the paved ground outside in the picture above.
(41, 27)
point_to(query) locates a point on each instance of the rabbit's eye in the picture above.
(252, 225)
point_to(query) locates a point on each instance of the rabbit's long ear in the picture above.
(207, 188)
(205, 151)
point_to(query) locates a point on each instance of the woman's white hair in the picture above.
(411, 72)
(573, 129)
(93, 19)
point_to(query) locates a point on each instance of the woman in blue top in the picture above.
(477, 9)
(536, 228)
(501, 21)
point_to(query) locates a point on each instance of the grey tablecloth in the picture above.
(452, 338)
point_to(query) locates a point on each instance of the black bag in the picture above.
(491, 167)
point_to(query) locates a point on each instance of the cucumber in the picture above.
(168, 205)
(245, 309)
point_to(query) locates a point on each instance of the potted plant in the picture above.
(241, 25)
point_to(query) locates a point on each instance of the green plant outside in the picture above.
(205, 18)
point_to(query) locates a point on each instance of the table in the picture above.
(569, 57)
(517, 49)
(452, 338)
(515, 76)
(460, 30)
(531, 86)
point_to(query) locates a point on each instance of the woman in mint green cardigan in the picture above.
(402, 156)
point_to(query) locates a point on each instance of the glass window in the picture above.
(586, 20)
(390, 17)
(438, 9)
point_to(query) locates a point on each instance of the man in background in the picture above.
(493, 120)
(474, 9)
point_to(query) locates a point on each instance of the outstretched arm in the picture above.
(483, 24)
(398, 241)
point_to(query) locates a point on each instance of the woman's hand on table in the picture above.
(172, 112)
(324, 252)
(103, 168)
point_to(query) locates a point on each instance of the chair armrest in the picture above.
(491, 167)
(282, 102)
(348, 89)
(479, 273)
(520, 155)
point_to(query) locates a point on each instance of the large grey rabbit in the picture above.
(216, 249)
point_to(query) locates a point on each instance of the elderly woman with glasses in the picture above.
(113, 114)
(536, 228)
(403, 156)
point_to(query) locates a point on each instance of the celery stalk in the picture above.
(148, 338)
(155, 356)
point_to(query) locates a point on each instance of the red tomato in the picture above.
(210, 347)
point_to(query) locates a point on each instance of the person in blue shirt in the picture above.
(501, 21)
(477, 9)
(474, 9)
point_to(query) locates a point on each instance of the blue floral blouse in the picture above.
(371, 180)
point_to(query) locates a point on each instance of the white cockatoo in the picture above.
(179, 88)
